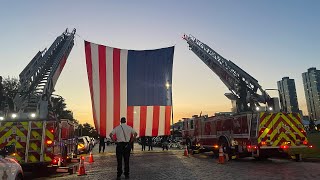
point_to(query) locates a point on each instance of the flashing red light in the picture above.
(82, 157)
(284, 147)
(252, 147)
(51, 130)
(49, 142)
(54, 161)
(263, 143)
(305, 142)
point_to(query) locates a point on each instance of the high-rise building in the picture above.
(288, 95)
(311, 83)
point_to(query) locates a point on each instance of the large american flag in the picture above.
(132, 84)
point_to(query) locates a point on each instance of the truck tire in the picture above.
(225, 145)
(298, 157)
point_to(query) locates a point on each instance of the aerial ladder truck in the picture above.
(256, 126)
(40, 138)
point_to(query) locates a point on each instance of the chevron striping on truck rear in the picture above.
(280, 128)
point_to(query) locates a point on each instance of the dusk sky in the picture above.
(267, 39)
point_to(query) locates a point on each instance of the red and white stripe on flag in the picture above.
(107, 76)
(149, 120)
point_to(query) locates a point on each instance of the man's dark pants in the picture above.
(123, 150)
(143, 146)
(103, 146)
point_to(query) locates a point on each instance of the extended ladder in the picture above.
(40, 76)
(241, 84)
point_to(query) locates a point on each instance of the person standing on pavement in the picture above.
(150, 143)
(143, 143)
(102, 144)
(165, 143)
(123, 133)
(188, 142)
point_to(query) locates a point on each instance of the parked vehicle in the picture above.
(90, 142)
(9, 167)
(93, 141)
(83, 145)
(39, 143)
(175, 145)
(108, 141)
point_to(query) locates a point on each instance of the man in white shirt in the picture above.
(123, 133)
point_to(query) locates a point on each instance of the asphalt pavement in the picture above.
(172, 164)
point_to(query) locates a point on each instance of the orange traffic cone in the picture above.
(221, 156)
(81, 171)
(186, 153)
(91, 158)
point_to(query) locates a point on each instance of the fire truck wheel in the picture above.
(298, 157)
(224, 143)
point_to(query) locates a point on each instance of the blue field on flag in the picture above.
(148, 73)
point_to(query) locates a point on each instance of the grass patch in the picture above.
(314, 152)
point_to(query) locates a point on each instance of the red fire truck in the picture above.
(256, 126)
(260, 134)
(28, 120)
(38, 143)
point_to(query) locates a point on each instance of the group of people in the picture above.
(146, 140)
(102, 144)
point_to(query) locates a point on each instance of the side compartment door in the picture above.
(14, 133)
(49, 142)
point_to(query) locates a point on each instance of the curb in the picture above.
(311, 159)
